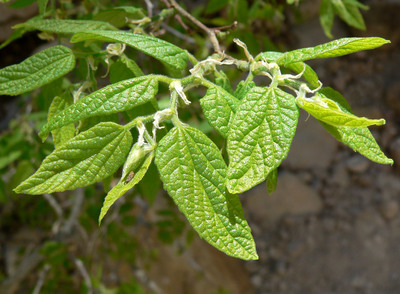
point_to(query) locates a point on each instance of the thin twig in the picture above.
(223, 28)
(42, 276)
(27, 265)
(54, 204)
(149, 8)
(178, 34)
(144, 279)
(81, 268)
(76, 209)
(210, 32)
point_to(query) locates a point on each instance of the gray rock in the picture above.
(357, 164)
(312, 146)
(292, 197)
(389, 210)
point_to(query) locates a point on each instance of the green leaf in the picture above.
(67, 132)
(18, 33)
(219, 107)
(242, 88)
(260, 136)
(328, 111)
(326, 16)
(335, 48)
(124, 68)
(159, 49)
(9, 158)
(142, 164)
(349, 11)
(193, 172)
(272, 181)
(88, 158)
(111, 99)
(64, 26)
(150, 185)
(359, 139)
(21, 4)
(223, 81)
(309, 74)
(117, 16)
(42, 6)
(36, 71)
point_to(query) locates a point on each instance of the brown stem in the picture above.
(210, 32)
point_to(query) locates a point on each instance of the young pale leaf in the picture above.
(65, 26)
(359, 139)
(272, 181)
(87, 158)
(67, 132)
(326, 16)
(332, 49)
(308, 73)
(328, 111)
(219, 107)
(194, 172)
(260, 136)
(113, 98)
(36, 71)
(124, 186)
(159, 49)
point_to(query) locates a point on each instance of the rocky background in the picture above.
(333, 224)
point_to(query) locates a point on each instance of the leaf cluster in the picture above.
(139, 118)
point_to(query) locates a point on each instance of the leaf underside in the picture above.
(157, 48)
(219, 108)
(122, 187)
(260, 136)
(359, 139)
(113, 98)
(334, 48)
(87, 158)
(193, 172)
(36, 71)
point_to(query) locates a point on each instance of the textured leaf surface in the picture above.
(242, 88)
(66, 132)
(219, 107)
(332, 49)
(65, 26)
(260, 136)
(111, 99)
(359, 139)
(88, 158)
(328, 111)
(309, 74)
(194, 172)
(36, 71)
(159, 49)
(123, 186)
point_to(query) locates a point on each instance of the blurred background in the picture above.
(332, 226)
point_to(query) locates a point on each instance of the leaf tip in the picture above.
(380, 122)
(43, 135)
